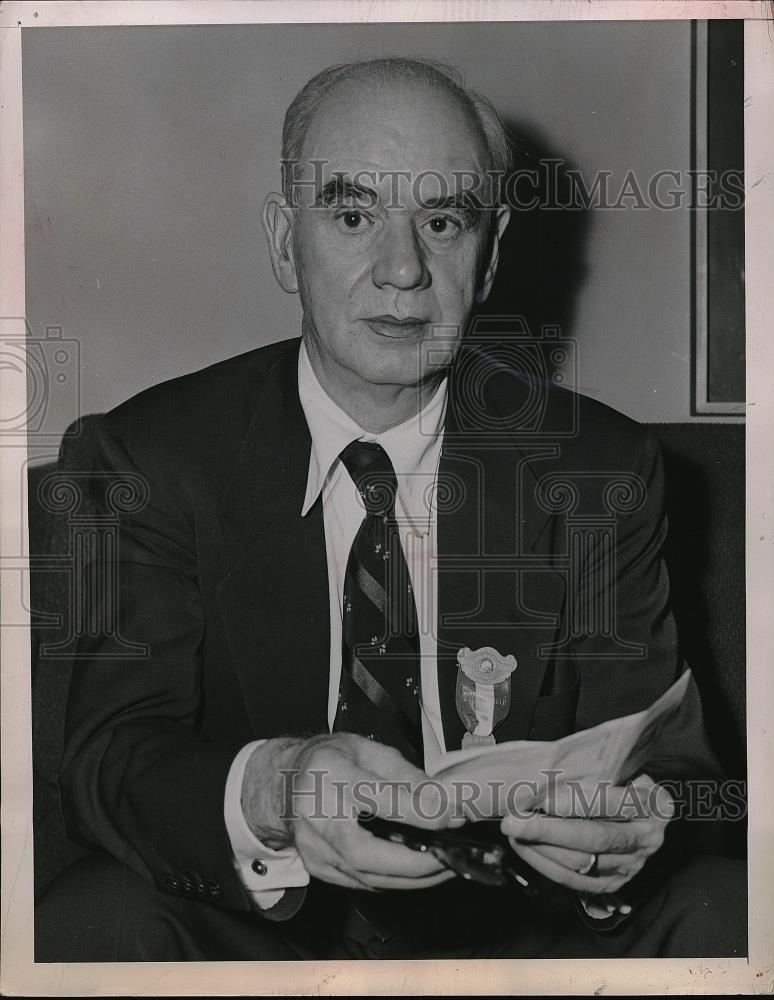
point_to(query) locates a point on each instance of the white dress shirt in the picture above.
(414, 448)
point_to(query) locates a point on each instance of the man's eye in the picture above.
(352, 219)
(442, 225)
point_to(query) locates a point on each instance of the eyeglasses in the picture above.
(477, 852)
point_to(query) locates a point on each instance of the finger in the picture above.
(595, 864)
(618, 903)
(320, 856)
(580, 799)
(327, 873)
(347, 847)
(370, 854)
(574, 860)
(661, 805)
(633, 798)
(595, 800)
(563, 876)
(642, 798)
(592, 836)
(397, 882)
(620, 864)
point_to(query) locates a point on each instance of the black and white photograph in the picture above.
(385, 547)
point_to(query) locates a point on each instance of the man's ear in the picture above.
(502, 217)
(277, 218)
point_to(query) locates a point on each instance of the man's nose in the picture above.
(400, 261)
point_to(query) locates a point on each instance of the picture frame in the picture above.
(718, 230)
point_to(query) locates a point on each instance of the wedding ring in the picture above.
(590, 865)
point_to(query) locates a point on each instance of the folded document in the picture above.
(612, 751)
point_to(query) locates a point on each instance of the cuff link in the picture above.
(259, 867)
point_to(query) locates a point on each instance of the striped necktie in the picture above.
(380, 675)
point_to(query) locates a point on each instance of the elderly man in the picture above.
(330, 525)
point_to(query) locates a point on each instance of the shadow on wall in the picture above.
(542, 253)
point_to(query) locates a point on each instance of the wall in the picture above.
(148, 152)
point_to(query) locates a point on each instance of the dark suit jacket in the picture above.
(550, 527)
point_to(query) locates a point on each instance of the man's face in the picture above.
(383, 248)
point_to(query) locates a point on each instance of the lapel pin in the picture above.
(483, 694)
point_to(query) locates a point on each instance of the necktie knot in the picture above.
(371, 470)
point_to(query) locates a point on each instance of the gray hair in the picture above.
(414, 71)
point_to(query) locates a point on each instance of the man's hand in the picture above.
(565, 842)
(309, 792)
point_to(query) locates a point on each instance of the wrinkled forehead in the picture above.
(410, 143)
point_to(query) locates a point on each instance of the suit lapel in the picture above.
(496, 584)
(274, 597)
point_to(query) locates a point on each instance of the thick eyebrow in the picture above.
(466, 202)
(340, 188)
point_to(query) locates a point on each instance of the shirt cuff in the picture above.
(264, 873)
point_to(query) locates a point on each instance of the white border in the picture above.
(656, 976)
(75, 13)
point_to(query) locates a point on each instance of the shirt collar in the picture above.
(413, 446)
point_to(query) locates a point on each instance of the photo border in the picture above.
(20, 975)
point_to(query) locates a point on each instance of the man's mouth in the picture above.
(396, 326)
